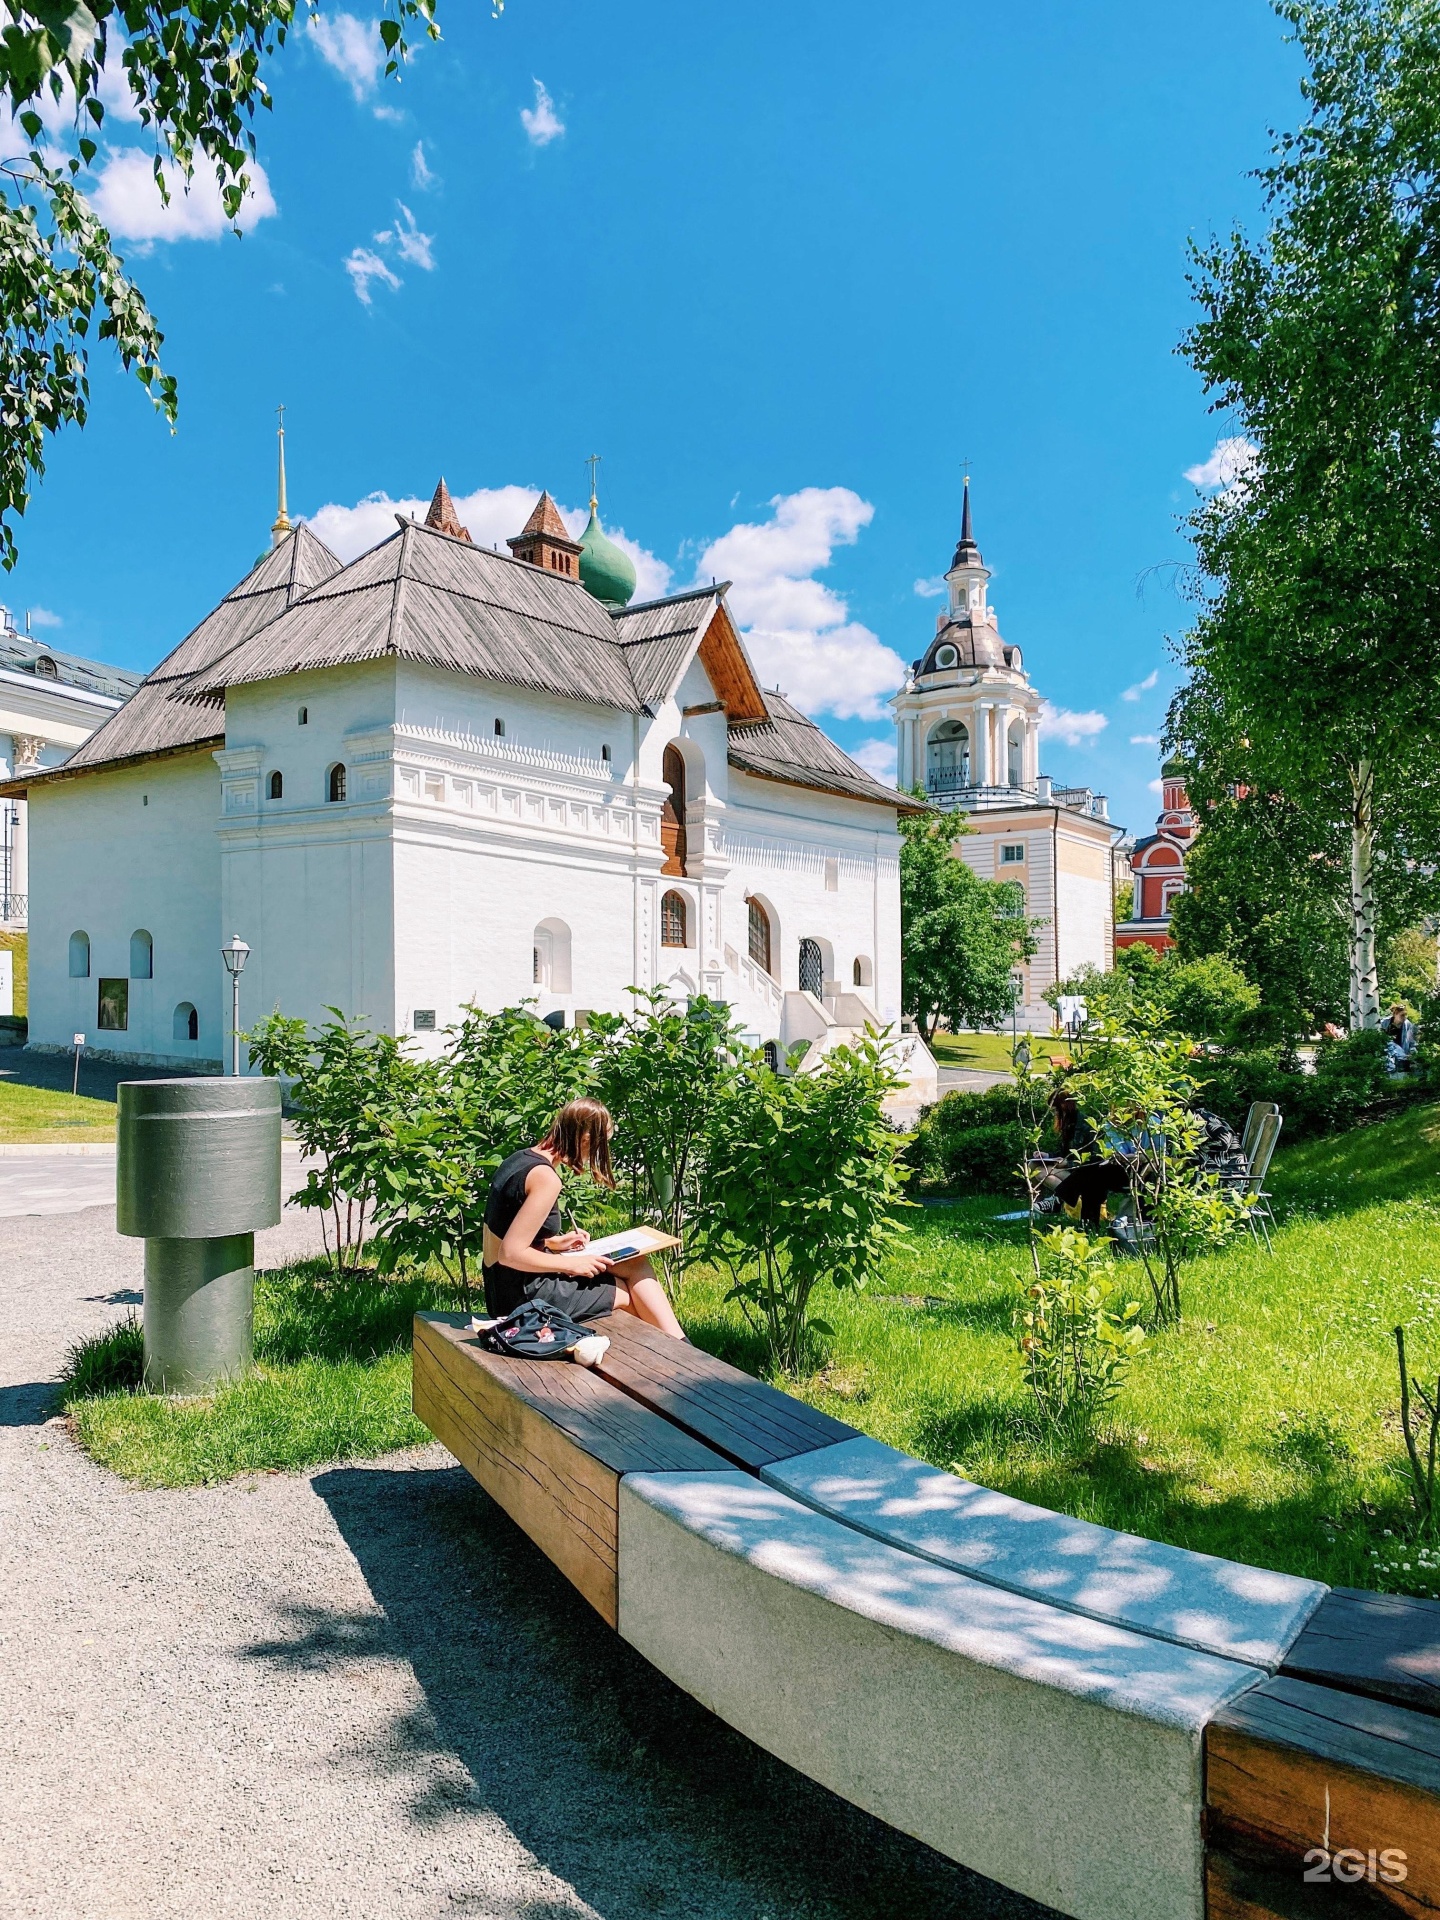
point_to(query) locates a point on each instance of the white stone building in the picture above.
(50, 702)
(443, 775)
(968, 725)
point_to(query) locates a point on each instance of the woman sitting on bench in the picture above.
(526, 1255)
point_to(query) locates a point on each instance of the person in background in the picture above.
(527, 1256)
(1399, 1034)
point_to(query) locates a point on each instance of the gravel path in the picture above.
(354, 1692)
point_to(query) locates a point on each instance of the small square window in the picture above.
(1012, 853)
(605, 753)
(499, 728)
(424, 1019)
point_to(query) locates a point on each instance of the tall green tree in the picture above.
(962, 936)
(194, 71)
(1314, 665)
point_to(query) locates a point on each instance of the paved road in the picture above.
(974, 1079)
(357, 1692)
(48, 1183)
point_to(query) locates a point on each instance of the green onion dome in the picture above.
(605, 571)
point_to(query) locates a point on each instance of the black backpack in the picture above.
(534, 1331)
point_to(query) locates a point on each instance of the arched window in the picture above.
(79, 956)
(672, 820)
(947, 757)
(862, 971)
(303, 717)
(759, 934)
(187, 1022)
(277, 785)
(46, 668)
(551, 950)
(672, 920)
(772, 1056)
(337, 782)
(812, 967)
(142, 955)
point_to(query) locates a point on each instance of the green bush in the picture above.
(1349, 1086)
(970, 1143)
(1077, 1332)
(108, 1362)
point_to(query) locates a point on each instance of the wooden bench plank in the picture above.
(1380, 1644)
(549, 1442)
(1297, 1774)
(751, 1423)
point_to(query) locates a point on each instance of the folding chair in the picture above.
(1258, 1111)
(1251, 1185)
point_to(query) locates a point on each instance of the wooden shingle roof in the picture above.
(430, 596)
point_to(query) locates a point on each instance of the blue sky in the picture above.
(784, 267)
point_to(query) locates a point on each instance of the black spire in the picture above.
(967, 554)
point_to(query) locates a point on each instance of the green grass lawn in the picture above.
(990, 1052)
(1265, 1428)
(332, 1382)
(35, 1115)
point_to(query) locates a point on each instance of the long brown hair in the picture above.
(580, 1137)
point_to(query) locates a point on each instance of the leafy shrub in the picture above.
(1077, 1333)
(970, 1143)
(1349, 1086)
(803, 1178)
(1208, 998)
(108, 1362)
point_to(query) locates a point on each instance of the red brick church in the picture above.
(1158, 865)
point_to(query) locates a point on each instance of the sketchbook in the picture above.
(630, 1244)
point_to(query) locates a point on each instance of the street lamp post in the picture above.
(235, 954)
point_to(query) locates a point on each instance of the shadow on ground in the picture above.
(56, 1072)
(614, 1779)
(27, 1405)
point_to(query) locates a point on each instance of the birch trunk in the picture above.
(1364, 976)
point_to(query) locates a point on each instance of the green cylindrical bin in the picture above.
(198, 1159)
(198, 1172)
(199, 1312)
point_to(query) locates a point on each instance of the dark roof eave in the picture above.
(18, 789)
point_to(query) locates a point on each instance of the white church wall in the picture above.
(828, 870)
(307, 880)
(116, 853)
(1086, 908)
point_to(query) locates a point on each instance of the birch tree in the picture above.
(1314, 664)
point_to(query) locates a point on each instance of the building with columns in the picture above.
(968, 723)
(443, 775)
(50, 703)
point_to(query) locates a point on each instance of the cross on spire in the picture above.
(282, 528)
(592, 462)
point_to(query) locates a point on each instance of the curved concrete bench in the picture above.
(1196, 1600)
(1086, 1716)
(1052, 1752)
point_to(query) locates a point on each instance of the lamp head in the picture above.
(235, 953)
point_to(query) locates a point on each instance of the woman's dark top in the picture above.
(506, 1287)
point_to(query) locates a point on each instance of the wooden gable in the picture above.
(728, 670)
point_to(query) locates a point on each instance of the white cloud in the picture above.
(877, 757)
(126, 198)
(391, 115)
(363, 266)
(1229, 462)
(1073, 728)
(408, 241)
(421, 175)
(352, 47)
(492, 514)
(1144, 740)
(541, 122)
(1142, 686)
(1156, 786)
(798, 630)
(42, 617)
(930, 589)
